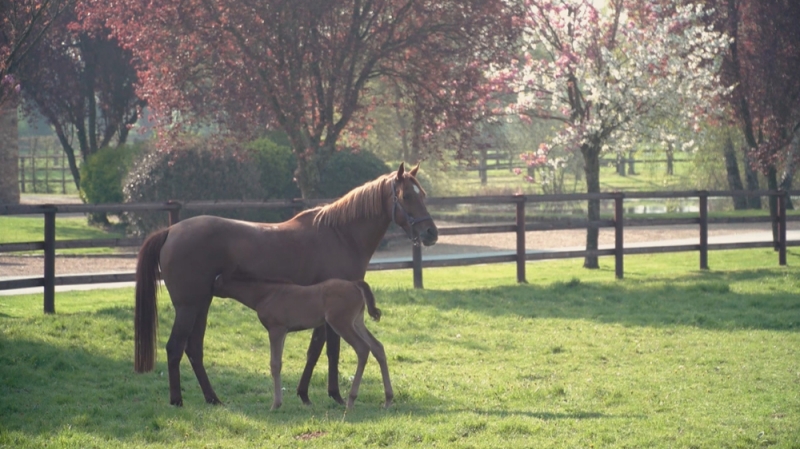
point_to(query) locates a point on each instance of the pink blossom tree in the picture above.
(610, 76)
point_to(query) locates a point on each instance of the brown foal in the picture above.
(284, 307)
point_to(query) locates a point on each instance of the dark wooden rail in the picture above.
(519, 227)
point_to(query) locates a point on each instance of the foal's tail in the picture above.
(369, 299)
(145, 318)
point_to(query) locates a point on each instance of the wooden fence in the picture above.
(520, 226)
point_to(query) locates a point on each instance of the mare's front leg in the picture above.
(277, 337)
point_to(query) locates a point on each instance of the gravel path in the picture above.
(14, 266)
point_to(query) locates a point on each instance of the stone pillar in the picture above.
(9, 155)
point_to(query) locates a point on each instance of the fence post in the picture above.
(174, 212)
(619, 247)
(520, 219)
(49, 259)
(782, 202)
(416, 262)
(22, 174)
(703, 230)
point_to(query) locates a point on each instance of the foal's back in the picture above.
(293, 306)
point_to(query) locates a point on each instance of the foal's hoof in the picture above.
(214, 401)
(387, 404)
(336, 397)
(176, 402)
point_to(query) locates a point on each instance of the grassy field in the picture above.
(31, 229)
(669, 357)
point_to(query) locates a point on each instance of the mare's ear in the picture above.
(400, 171)
(413, 171)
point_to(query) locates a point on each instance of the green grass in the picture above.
(31, 229)
(668, 357)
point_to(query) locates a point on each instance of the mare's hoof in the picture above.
(214, 401)
(336, 397)
(177, 403)
(275, 407)
(304, 397)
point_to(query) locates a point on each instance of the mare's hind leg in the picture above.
(194, 351)
(318, 339)
(181, 329)
(332, 347)
(312, 356)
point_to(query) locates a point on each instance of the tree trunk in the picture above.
(309, 172)
(620, 164)
(788, 171)
(751, 178)
(734, 177)
(591, 159)
(631, 164)
(671, 160)
(9, 154)
(772, 184)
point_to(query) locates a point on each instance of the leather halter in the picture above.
(410, 220)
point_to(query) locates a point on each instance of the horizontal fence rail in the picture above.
(520, 226)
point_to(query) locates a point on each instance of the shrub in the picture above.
(194, 169)
(102, 175)
(348, 169)
(276, 164)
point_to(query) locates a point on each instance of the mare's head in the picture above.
(408, 209)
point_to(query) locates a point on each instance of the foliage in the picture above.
(304, 66)
(761, 67)
(103, 174)
(23, 23)
(276, 165)
(83, 84)
(573, 359)
(348, 169)
(610, 76)
(192, 169)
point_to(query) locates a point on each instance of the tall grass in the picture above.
(668, 357)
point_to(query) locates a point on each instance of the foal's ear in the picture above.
(400, 171)
(413, 171)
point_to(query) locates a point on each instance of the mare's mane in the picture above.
(365, 201)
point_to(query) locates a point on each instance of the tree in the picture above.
(303, 66)
(83, 85)
(23, 23)
(609, 75)
(761, 66)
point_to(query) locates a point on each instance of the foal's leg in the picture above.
(194, 351)
(277, 337)
(380, 355)
(312, 356)
(344, 326)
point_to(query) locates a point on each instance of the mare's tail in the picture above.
(145, 317)
(369, 299)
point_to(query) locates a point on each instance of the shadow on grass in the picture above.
(703, 300)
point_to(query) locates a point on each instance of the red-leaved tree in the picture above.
(303, 66)
(83, 84)
(762, 66)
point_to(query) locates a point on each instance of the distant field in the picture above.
(668, 357)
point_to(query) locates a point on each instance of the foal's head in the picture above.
(408, 209)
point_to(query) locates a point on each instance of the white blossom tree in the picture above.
(609, 74)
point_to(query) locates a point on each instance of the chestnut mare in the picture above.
(334, 241)
(284, 308)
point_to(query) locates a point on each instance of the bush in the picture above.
(194, 169)
(348, 169)
(102, 176)
(276, 164)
